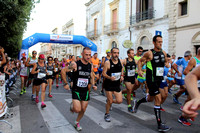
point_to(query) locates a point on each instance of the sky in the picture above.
(50, 14)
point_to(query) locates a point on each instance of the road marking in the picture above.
(98, 117)
(14, 121)
(54, 120)
(140, 114)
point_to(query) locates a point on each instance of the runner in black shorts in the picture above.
(156, 59)
(81, 78)
(129, 76)
(57, 71)
(113, 74)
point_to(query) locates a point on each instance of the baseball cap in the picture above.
(108, 51)
(41, 56)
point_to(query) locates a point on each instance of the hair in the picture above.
(187, 53)
(114, 48)
(168, 56)
(34, 51)
(198, 50)
(95, 53)
(128, 52)
(155, 37)
(55, 59)
(140, 48)
(86, 48)
(180, 58)
(49, 57)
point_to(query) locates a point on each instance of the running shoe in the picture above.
(43, 105)
(57, 86)
(37, 100)
(161, 109)
(163, 128)
(22, 92)
(71, 107)
(77, 126)
(183, 121)
(176, 100)
(60, 82)
(191, 119)
(50, 96)
(107, 117)
(135, 106)
(32, 98)
(130, 109)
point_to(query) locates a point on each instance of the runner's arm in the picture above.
(166, 60)
(105, 69)
(67, 69)
(27, 62)
(103, 62)
(144, 58)
(34, 68)
(189, 66)
(92, 76)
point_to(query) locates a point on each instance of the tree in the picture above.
(14, 15)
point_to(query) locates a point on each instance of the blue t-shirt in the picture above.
(182, 64)
(166, 70)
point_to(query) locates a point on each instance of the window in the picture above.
(114, 44)
(183, 8)
(95, 26)
(114, 19)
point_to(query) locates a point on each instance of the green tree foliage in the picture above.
(14, 15)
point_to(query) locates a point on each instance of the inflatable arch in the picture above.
(55, 38)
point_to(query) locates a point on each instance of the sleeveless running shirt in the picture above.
(197, 64)
(114, 71)
(155, 67)
(23, 70)
(42, 72)
(50, 69)
(81, 77)
(130, 68)
(31, 62)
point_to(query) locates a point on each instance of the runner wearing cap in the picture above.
(40, 69)
(23, 75)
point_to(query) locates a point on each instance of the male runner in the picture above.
(95, 64)
(113, 74)
(156, 59)
(81, 78)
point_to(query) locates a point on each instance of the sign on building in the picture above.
(158, 32)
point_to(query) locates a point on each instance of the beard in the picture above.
(115, 57)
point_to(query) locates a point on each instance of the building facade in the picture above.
(184, 26)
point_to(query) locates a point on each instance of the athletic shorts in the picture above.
(81, 96)
(38, 82)
(31, 76)
(55, 73)
(24, 76)
(129, 79)
(141, 80)
(163, 85)
(49, 77)
(154, 88)
(96, 72)
(116, 89)
(136, 75)
(180, 82)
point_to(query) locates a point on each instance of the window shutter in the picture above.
(138, 10)
(150, 9)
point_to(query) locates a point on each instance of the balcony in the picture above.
(142, 19)
(111, 29)
(92, 35)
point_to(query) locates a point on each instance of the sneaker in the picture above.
(130, 109)
(107, 117)
(135, 106)
(71, 108)
(43, 105)
(77, 126)
(37, 100)
(163, 128)
(57, 86)
(49, 95)
(161, 109)
(32, 98)
(60, 82)
(191, 119)
(22, 92)
(176, 100)
(184, 121)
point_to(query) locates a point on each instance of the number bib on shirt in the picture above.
(116, 75)
(82, 82)
(41, 75)
(159, 71)
(50, 72)
(131, 73)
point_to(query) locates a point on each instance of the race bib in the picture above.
(50, 72)
(82, 82)
(41, 75)
(159, 71)
(131, 73)
(56, 69)
(116, 75)
(95, 66)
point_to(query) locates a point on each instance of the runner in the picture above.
(113, 74)
(156, 59)
(81, 78)
(23, 75)
(57, 71)
(29, 63)
(194, 62)
(100, 70)
(70, 73)
(95, 64)
(49, 77)
(179, 66)
(40, 70)
(103, 62)
(129, 78)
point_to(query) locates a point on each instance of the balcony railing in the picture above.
(93, 34)
(142, 16)
(111, 28)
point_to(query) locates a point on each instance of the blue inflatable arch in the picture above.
(55, 38)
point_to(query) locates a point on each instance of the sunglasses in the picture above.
(50, 60)
(41, 59)
(140, 51)
(34, 53)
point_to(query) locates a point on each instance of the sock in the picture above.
(143, 100)
(129, 105)
(158, 114)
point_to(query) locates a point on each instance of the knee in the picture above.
(119, 101)
(109, 101)
(83, 109)
(76, 110)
